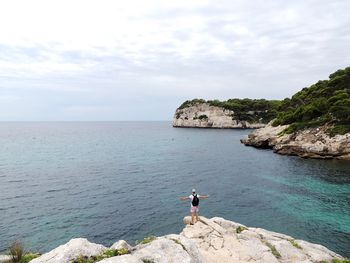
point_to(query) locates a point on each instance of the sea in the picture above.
(106, 181)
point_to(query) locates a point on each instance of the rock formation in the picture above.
(220, 240)
(203, 115)
(214, 240)
(307, 143)
(5, 259)
(68, 252)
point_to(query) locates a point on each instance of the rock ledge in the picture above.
(208, 241)
(308, 143)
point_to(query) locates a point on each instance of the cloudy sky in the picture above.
(138, 60)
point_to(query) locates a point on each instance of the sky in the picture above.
(110, 60)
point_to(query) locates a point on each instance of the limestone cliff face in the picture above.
(207, 241)
(203, 115)
(308, 143)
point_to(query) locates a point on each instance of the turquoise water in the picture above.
(122, 180)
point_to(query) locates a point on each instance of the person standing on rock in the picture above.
(194, 197)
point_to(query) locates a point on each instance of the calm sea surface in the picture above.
(122, 180)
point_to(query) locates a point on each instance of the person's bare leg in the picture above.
(197, 217)
(192, 218)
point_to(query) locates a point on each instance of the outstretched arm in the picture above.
(184, 198)
(203, 196)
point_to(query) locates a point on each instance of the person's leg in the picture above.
(192, 218)
(197, 216)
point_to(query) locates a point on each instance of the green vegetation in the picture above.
(18, 254)
(146, 240)
(201, 117)
(339, 129)
(345, 260)
(106, 254)
(16, 251)
(295, 244)
(147, 261)
(189, 103)
(28, 257)
(326, 102)
(178, 114)
(240, 229)
(336, 261)
(273, 250)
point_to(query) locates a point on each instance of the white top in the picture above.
(191, 198)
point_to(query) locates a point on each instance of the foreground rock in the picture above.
(203, 115)
(208, 241)
(5, 258)
(308, 143)
(220, 240)
(68, 252)
(167, 249)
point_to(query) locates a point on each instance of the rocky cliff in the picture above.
(307, 143)
(214, 240)
(204, 115)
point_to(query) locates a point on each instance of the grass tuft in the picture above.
(240, 229)
(295, 244)
(19, 255)
(106, 254)
(345, 260)
(146, 240)
(28, 257)
(16, 251)
(273, 249)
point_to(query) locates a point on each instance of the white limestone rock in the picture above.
(218, 241)
(120, 245)
(203, 115)
(70, 251)
(207, 241)
(308, 143)
(167, 249)
(4, 258)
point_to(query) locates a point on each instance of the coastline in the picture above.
(204, 115)
(313, 143)
(214, 128)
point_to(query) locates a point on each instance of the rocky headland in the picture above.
(214, 240)
(204, 115)
(313, 123)
(307, 143)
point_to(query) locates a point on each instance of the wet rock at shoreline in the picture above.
(307, 143)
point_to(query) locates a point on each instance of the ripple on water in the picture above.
(107, 181)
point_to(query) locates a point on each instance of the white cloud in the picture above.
(174, 50)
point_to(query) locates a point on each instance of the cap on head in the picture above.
(193, 190)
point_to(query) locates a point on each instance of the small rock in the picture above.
(187, 220)
(121, 244)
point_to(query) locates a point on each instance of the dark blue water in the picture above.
(122, 180)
